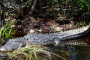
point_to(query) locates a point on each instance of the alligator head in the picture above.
(11, 45)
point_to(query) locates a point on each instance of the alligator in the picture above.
(43, 39)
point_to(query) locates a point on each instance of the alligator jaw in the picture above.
(2, 49)
(7, 48)
(10, 45)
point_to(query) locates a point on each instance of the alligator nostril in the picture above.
(27, 38)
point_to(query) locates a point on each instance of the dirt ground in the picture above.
(29, 24)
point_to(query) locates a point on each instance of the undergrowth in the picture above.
(6, 31)
(32, 52)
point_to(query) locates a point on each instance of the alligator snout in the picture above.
(11, 47)
(2, 49)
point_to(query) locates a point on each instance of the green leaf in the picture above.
(5, 14)
(6, 31)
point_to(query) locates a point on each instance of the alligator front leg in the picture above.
(56, 40)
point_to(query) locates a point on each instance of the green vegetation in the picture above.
(83, 4)
(63, 9)
(81, 24)
(6, 31)
(32, 52)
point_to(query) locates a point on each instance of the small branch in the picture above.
(0, 14)
(33, 6)
(22, 7)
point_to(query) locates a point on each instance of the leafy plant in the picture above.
(83, 4)
(6, 31)
(82, 24)
(19, 12)
(6, 14)
(28, 5)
